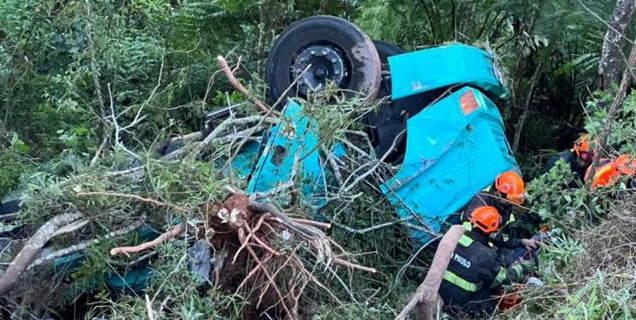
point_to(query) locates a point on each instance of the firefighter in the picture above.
(579, 157)
(507, 191)
(608, 172)
(476, 271)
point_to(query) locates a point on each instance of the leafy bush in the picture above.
(13, 164)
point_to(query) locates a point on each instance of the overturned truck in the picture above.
(438, 121)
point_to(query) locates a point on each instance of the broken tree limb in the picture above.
(313, 223)
(132, 196)
(313, 235)
(236, 84)
(196, 147)
(350, 265)
(71, 227)
(151, 244)
(369, 229)
(151, 314)
(21, 262)
(269, 114)
(83, 245)
(426, 297)
(334, 165)
(299, 228)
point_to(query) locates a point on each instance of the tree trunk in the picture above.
(426, 299)
(612, 61)
(534, 80)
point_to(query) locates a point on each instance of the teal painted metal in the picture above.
(244, 161)
(450, 156)
(292, 147)
(448, 65)
(132, 280)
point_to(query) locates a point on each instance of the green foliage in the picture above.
(622, 135)
(166, 181)
(588, 225)
(593, 301)
(13, 162)
(550, 196)
(173, 294)
(356, 311)
(559, 255)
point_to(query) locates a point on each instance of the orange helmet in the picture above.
(608, 172)
(511, 184)
(485, 218)
(582, 148)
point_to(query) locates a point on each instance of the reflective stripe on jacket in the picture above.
(474, 271)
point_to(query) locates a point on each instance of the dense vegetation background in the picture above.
(66, 66)
(59, 56)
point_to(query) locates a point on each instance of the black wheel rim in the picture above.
(324, 63)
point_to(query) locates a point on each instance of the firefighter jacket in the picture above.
(570, 158)
(475, 270)
(505, 237)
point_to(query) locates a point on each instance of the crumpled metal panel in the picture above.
(453, 150)
(443, 66)
(292, 147)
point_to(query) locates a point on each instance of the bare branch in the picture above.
(236, 84)
(32, 248)
(426, 293)
(82, 246)
(132, 196)
(151, 244)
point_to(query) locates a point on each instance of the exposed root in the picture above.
(264, 245)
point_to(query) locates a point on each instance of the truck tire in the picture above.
(337, 51)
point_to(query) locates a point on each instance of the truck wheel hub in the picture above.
(323, 63)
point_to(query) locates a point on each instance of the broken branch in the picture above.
(132, 196)
(82, 246)
(32, 248)
(236, 84)
(426, 296)
(151, 244)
